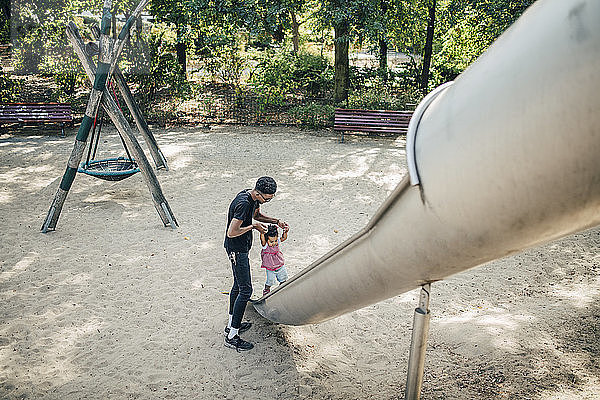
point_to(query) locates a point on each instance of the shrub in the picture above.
(381, 97)
(67, 74)
(313, 115)
(153, 67)
(286, 73)
(224, 65)
(9, 88)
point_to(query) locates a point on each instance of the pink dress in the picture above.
(272, 257)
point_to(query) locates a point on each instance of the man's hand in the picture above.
(282, 225)
(259, 227)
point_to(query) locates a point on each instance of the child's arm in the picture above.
(284, 235)
(263, 239)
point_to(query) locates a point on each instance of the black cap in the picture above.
(266, 185)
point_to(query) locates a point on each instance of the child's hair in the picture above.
(272, 231)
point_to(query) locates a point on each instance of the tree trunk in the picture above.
(180, 48)
(428, 48)
(383, 59)
(113, 23)
(295, 31)
(138, 30)
(342, 62)
(181, 56)
(383, 45)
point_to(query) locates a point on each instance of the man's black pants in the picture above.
(242, 287)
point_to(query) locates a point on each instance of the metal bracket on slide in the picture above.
(413, 125)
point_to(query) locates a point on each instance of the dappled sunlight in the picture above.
(174, 149)
(181, 162)
(408, 297)
(32, 178)
(351, 167)
(363, 198)
(122, 196)
(580, 294)
(493, 319)
(7, 272)
(311, 344)
(388, 179)
(485, 327)
(299, 169)
(586, 389)
(5, 197)
(50, 362)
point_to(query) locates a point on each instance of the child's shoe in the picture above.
(266, 291)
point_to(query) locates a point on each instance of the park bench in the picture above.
(372, 122)
(36, 113)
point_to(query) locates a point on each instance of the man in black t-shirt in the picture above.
(238, 241)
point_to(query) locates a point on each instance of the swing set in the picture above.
(99, 61)
(109, 169)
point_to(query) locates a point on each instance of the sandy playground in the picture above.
(112, 305)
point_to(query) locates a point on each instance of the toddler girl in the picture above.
(272, 258)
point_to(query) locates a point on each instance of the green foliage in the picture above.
(225, 65)
(381, 97)
(68, 77)
(9, 88)
(154, 68)
(466, 29)
(4, 21)
(313, 115)
(285, 73)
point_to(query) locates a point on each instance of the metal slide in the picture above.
(508, 157)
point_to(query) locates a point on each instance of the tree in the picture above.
(466, 29)
(428, 47)
(175, 12)
(4, 21)
(345, 16)
(341, 65)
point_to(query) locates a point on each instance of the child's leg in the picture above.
(270, 282)
(281, 274)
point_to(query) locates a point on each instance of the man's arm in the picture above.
(268, 220)
(236, 229)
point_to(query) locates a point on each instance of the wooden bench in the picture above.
(371, 121)
(36, 113)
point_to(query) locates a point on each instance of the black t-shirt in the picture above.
(242, 208)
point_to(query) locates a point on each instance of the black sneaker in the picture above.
(238, 343)
(243, 328)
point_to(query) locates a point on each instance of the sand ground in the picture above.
(114, 305)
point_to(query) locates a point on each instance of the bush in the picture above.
(153, 67)
(225, 65)
(67, 74)
(381, 97)
(9, 88)
(313, 115)
(286, 73)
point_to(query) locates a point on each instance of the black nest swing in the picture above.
(109, 169)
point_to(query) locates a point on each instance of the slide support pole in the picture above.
(418, 345)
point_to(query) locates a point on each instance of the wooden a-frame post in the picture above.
(110, 51)
(159, 159)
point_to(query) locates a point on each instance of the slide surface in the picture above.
(508, 157)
